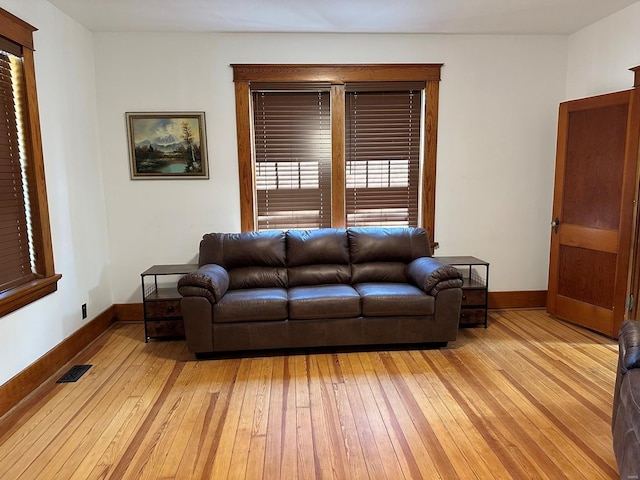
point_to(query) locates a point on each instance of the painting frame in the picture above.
(167, 145)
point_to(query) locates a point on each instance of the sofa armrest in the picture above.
(628, 359)
(433, 276)
(210, 281)
(629, 343)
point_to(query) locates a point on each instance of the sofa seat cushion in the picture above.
(251, 304)
(394, 299)
(323, 301)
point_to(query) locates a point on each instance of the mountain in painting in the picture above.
(167, 143)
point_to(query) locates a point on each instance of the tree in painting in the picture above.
(193, 163)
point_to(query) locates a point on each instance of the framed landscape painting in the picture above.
(167, 145)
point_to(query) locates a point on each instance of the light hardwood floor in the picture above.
(529, 397)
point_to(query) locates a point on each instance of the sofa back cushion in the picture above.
(387, 244)
(252, 259)
(382, 254)
(276, 258)
(248, 249)
(318, 257)
(317, 247)
(258, 277)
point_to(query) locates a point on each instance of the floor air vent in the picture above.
(74, 373)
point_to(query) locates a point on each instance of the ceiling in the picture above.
(561, 17)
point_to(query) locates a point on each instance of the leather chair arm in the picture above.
(433, 276)
(629, 342)
(210, 281)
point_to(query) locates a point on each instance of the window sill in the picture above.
(22, 295)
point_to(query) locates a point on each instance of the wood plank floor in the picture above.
(529, 397)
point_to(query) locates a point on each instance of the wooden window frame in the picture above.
(337, 75)
(20, 32)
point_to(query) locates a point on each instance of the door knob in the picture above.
(555, 224)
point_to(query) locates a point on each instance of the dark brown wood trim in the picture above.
(627, 213)
(634, 269)
(245, 169)
(518, 299)
(25, 382)
(16, 29)
(636, 78)
(18, 297)
(338, 219)
(129, 312)
(430, 159)
(36, 174)
(597, 101)
(338, 73)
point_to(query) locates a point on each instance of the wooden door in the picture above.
(593, 210)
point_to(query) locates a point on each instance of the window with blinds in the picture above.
(381, 134)
(292, 151)
(16, 265)
(382, 153)
(27, 271)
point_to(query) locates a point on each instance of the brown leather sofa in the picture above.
(625, 422)
(311, 288)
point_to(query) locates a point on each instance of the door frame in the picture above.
(631, 311)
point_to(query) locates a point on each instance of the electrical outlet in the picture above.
(84, 311)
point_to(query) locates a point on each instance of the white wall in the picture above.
(496, 145)
(64, 62)
(600, 55)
